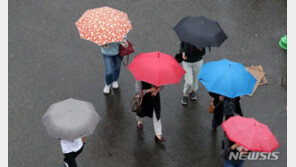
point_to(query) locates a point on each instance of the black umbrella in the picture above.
(200, 32)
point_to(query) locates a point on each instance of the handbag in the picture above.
(178, 57)
(126, 50)
(136, 103)
(211, 108)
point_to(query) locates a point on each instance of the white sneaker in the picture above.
(115, 85)
(106, 89)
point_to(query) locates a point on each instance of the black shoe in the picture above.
(184, 100)
(161, 140)
(193, 96)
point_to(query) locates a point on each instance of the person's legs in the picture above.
(228, 163)
(117, 64)
(157, 125)
(196, 69)
(78, 152)
(188, 78)
(70, 159)
(140, 123)
(188, 82)
(109, 65)
(217, 119)
(240, 163)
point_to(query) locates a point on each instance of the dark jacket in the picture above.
(227, 150)
(219, 108)
(149, 103)
(193, 54)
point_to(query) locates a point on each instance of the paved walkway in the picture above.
(48, 62)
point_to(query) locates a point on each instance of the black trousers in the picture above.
(70, 157)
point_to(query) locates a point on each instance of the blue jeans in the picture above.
(112, 65)
(238, 163)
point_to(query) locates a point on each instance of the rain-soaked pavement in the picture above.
(48, 62)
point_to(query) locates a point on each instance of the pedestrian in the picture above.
(228, 148)
(71, 149)
(224, 106)
(150, 107)
(231, 106)
(192, 62)
(112, 61)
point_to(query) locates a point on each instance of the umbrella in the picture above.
(103, 25)
(156, 68)
(70, 119)
(200, 31)
(250, 133)
(226, 78)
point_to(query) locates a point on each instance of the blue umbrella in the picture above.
(227, 78)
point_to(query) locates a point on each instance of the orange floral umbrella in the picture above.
(103, 25)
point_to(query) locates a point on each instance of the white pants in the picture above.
(156, 124)
(192, 71)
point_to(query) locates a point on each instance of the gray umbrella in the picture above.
(70, 119)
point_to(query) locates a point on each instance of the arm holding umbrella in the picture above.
(157, 89)
(182, 50)
(83, 139)
(139, 88)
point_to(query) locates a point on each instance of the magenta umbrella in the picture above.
(250, 133)
(156, 68)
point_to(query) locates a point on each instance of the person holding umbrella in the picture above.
(226, 81)
(225, 106)
(150, 107)
(229, 147)
(70, 121)
(192, 62)
(244, 135)
(195, 34)
(152, 71)
(112, 62)
(107, 27)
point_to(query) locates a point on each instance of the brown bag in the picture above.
(211, 108)
(136, 102)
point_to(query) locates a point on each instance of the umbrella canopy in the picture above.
(227, 78)
(70, 119)
(250, 133)
(200, 31)
(103, 25)
(156, 68)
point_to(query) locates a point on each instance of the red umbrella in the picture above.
(250, 133)
(156, 68)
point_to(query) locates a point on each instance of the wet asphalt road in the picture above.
(48, 62)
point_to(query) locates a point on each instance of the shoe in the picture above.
(115, 85)
(65, 164)
(161, 140)
(106, 89)
(140, 126)
(184, 100)
(193, 96)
